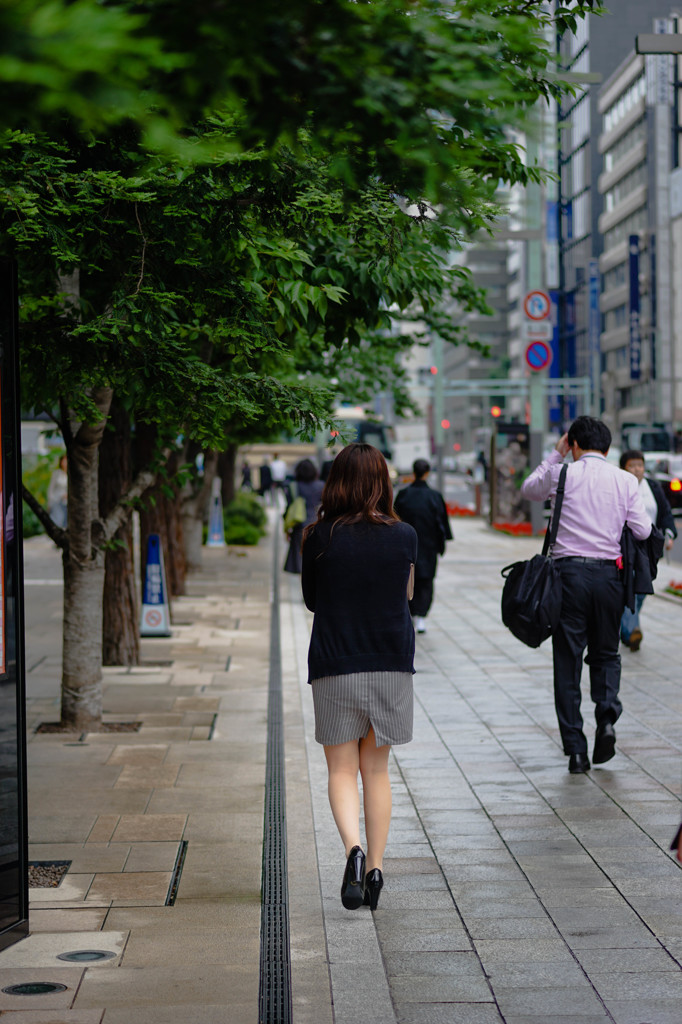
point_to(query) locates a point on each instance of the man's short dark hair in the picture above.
(629, 456)
(590, 434)
(420, 467)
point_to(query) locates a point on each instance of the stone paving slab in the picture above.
(515, 893)
(550, 888)
(135, 799)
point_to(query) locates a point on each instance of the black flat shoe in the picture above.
(374, 883)
(604, 743)
(353, 885)
(578, 763)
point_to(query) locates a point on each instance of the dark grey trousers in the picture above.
(591, 609)
(423, 596)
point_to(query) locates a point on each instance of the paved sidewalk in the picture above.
(124, 808)
(514, 892)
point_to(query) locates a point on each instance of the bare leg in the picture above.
(377, 797)
(343, 762)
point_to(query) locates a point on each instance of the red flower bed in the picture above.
(515, 529)
(458, 510)
(674, 587)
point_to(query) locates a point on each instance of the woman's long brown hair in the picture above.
(358, 488)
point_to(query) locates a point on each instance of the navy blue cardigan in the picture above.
(356, 583)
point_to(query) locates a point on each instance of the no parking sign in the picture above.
(538, 355)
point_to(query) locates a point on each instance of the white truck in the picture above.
(410, 441)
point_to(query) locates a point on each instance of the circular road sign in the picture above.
(152, 617)
(536, 305)
(538, 355)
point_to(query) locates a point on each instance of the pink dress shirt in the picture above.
(598, 499)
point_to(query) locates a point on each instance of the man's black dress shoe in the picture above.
(578, 763)
(374, 883)
(604, 743)
(353, 885)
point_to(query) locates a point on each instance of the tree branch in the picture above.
(145, 479)
(54, 532)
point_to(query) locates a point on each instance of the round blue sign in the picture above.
(538, 355)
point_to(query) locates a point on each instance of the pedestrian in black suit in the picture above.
(424, 509)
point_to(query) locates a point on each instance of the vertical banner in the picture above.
(155, 618)
(653, 286)
(216, 525)
(554, 403)
(593, 332)
(635, 329)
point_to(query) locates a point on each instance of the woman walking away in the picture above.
(306, 485)
(358, 562)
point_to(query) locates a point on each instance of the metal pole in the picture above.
(438, 432)
(561, 291)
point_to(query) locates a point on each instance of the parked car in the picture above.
(666, 467)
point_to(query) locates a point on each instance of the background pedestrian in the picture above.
(278, 474)
(57, 493)
(309, 487)
(424, 509)
(598, 500)
(357, 565)
(659, 512)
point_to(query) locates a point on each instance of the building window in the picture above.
(637, 221)
(626, 186)
(625, 144)
(615, 277)
(615, 318)
(625, 102)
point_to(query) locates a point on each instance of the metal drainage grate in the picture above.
(87, 956)
(34, 988)
(275, 1003)
(177, 872)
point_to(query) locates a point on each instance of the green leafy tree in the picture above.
(184, 285)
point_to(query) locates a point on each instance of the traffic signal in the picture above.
(445, 424)
(495, 411)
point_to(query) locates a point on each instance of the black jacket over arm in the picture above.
(356, 583)
(665, 519)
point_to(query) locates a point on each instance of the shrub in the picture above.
(249, 507)
(238, 530)
(36, 473)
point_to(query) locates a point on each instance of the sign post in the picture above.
(538, 331)
(155, 618)
(216, 525)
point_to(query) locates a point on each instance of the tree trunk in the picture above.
(195, 497)
(84, 576)
(159, 514)
(226, 470)
(151, 520)
(120, 627)
(171, 507)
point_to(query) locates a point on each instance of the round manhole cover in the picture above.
(34, 988)
(80, 956)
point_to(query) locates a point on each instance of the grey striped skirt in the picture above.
(346, 706)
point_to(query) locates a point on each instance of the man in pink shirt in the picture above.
(599, 498)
